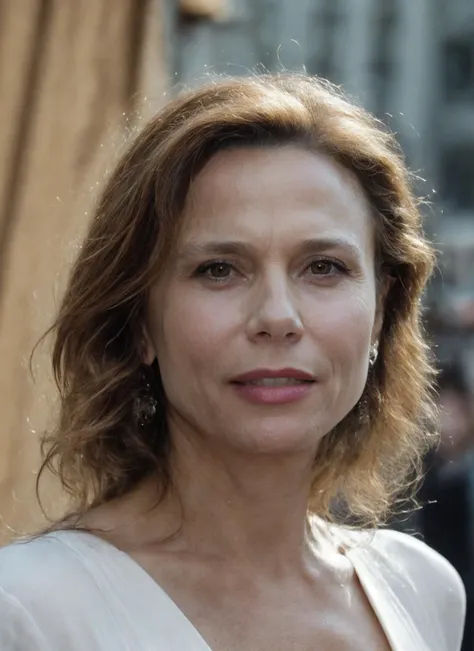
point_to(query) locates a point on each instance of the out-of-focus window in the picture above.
(457, 177)
(382, 66)
(459, 68)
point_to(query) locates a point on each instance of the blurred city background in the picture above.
(76, 78)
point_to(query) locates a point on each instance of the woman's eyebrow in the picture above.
(224, 247)
(235, 247)
(320, 244)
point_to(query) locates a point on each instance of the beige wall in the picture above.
(70, 70)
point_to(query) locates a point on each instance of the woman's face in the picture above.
(273, 275)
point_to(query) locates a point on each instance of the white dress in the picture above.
(71, 591)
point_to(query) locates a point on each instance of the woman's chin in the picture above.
(271, 439)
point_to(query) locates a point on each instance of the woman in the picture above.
(240, 358)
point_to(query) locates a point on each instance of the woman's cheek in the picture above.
(351, 318)
(199, 323)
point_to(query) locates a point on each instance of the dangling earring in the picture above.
(374, 353)
(145, 404)
(363, 404)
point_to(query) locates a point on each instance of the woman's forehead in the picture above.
(287, 191)
(247, 173)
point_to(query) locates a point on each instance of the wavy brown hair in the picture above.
(97, 449)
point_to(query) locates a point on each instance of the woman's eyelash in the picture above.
(203, 269)
(338, 264)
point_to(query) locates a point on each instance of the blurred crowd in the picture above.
(446, 519)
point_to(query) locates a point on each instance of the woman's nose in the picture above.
(275, 316)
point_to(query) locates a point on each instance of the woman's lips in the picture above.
(273, 394)
(278, 373)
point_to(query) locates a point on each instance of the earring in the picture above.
(145, 404)
(374, 353)
(363, 404)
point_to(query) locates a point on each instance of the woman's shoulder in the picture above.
(38, 573)
(423, 583)
(409, 557)
(56, 592)
(47, 587)
(35, 578)
(39, 563)
(404, 557)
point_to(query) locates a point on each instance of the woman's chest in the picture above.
(339, 620)
(282, 635)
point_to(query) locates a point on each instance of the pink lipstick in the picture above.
(274, 386)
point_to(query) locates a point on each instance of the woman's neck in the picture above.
(241, 508)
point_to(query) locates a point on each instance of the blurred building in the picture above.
(409, 61)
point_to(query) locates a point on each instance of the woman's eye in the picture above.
(216, 271)
(219, 270)
(326, 268)
(322, 267)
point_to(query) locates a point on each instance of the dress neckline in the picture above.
(375, 588)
